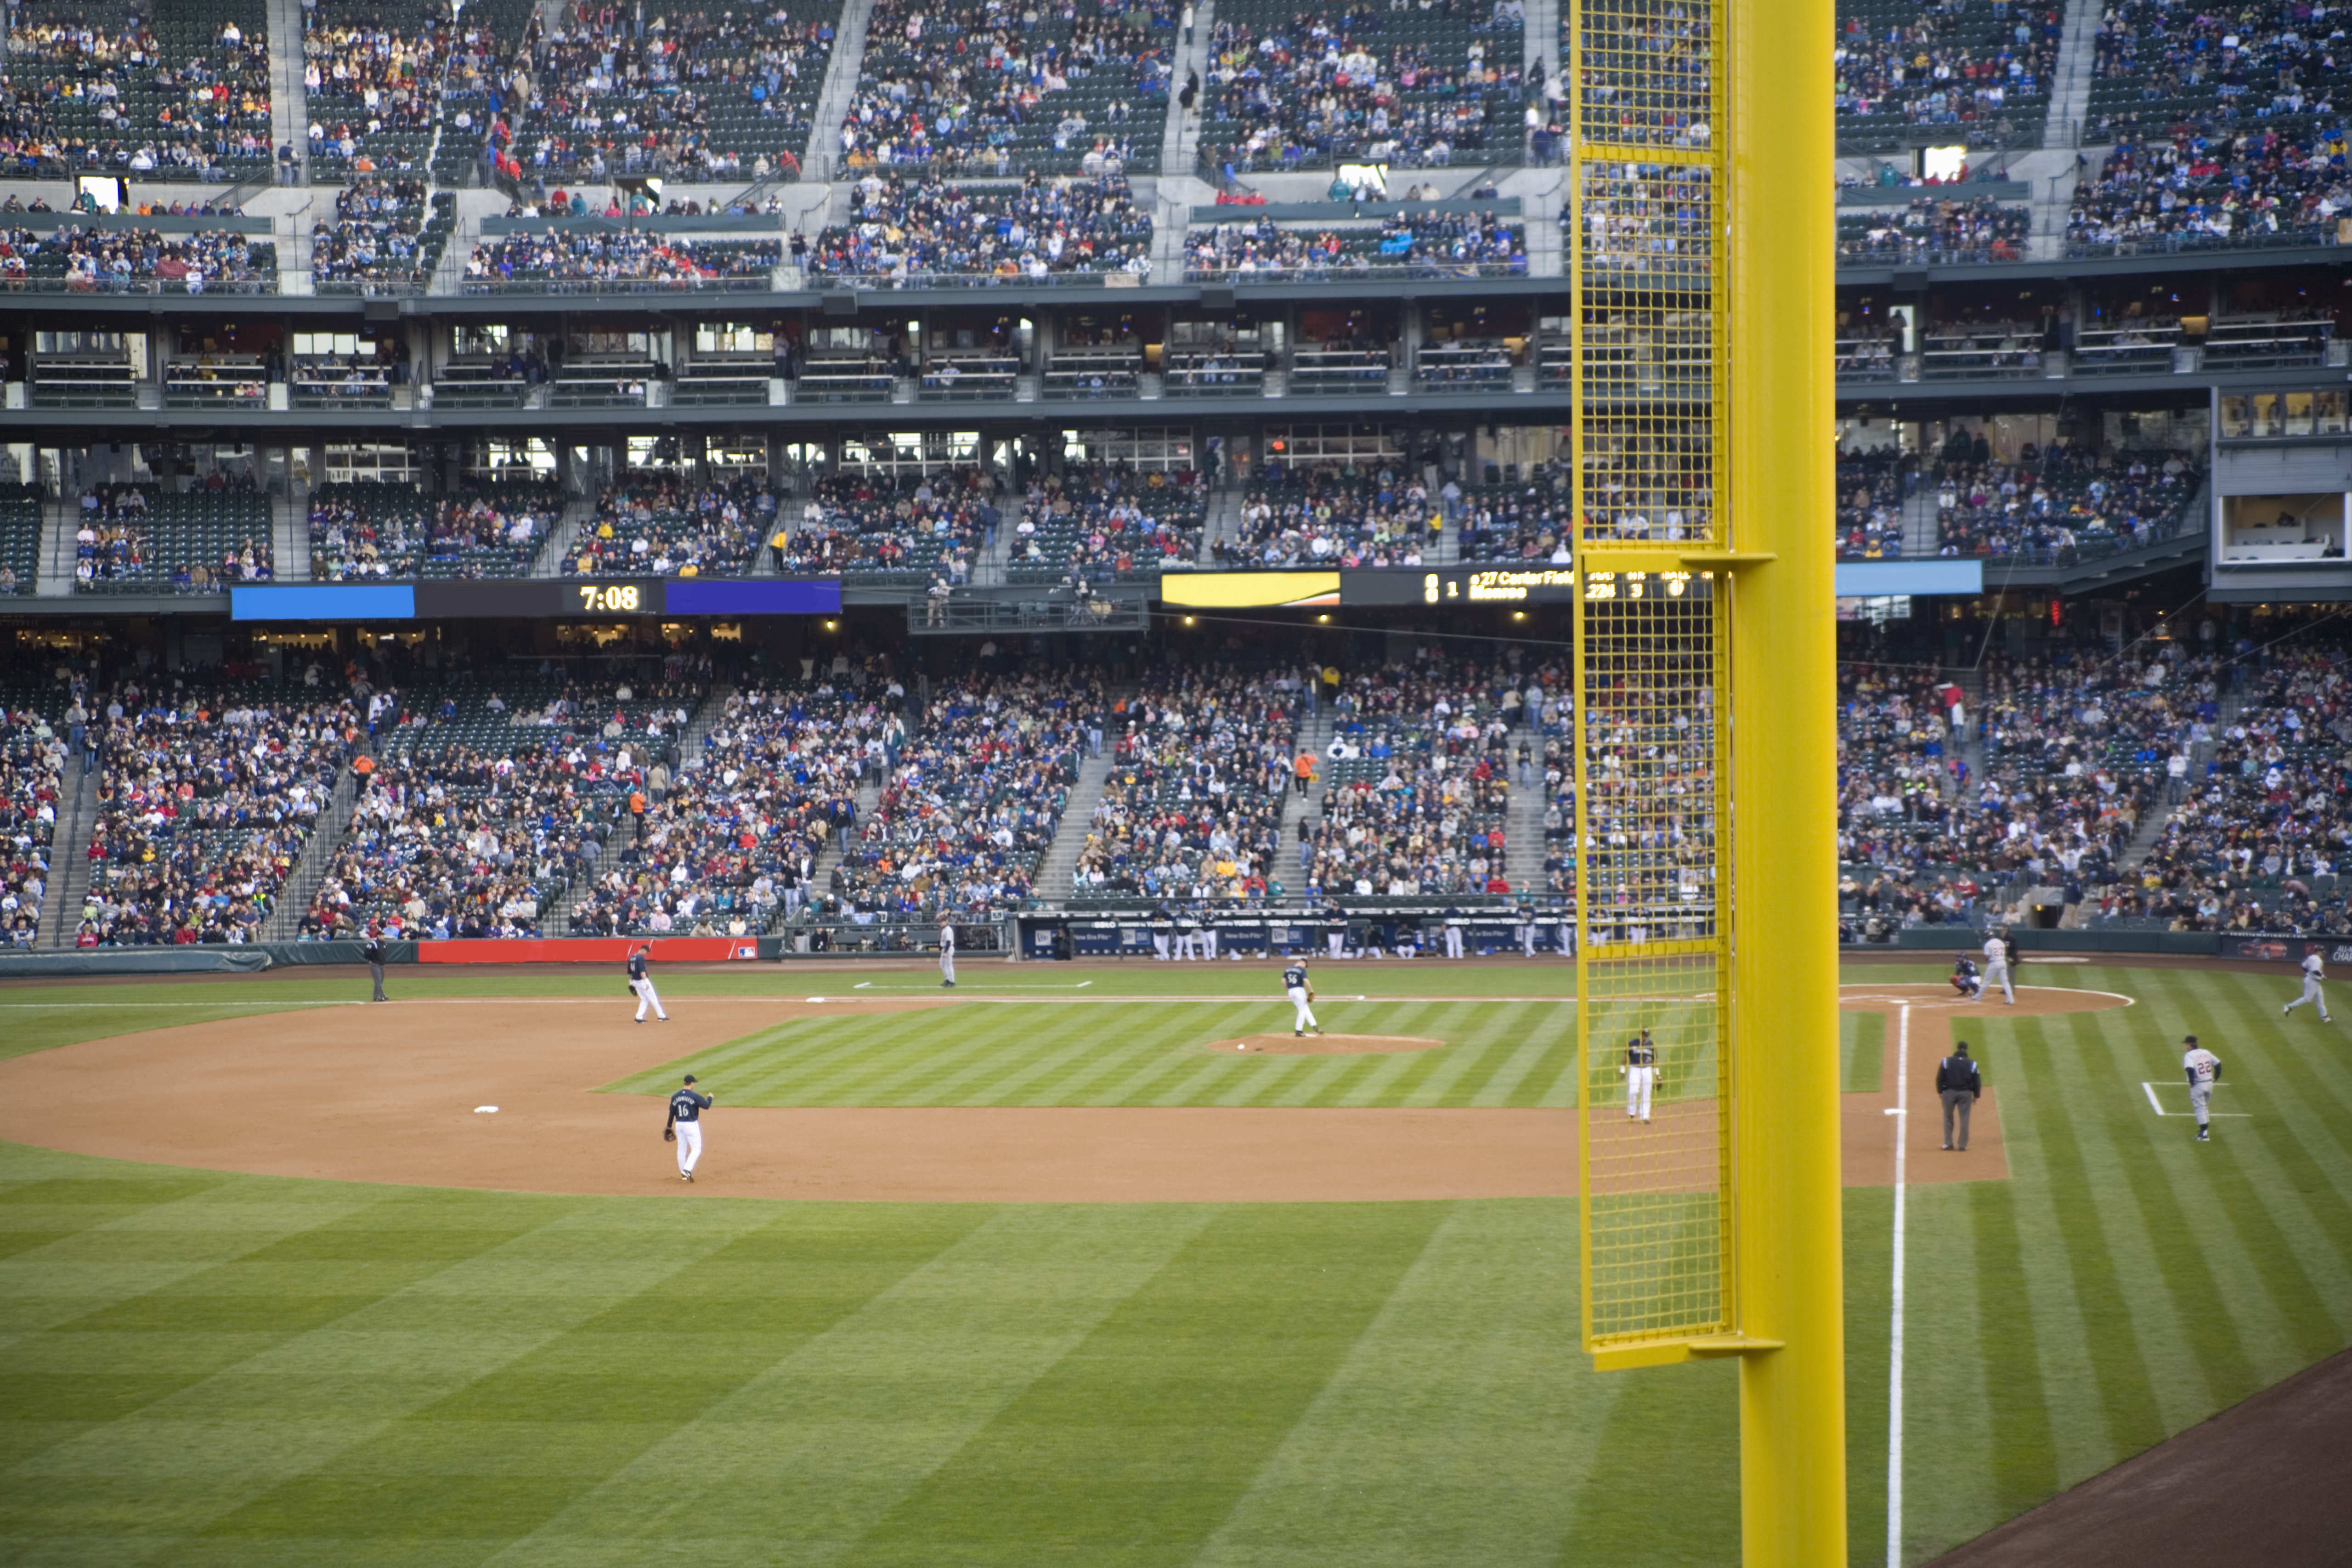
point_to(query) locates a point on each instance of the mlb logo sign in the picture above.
(748, 950)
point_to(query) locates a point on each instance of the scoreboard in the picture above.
(524, 598)
(1531, 584)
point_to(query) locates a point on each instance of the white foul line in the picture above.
(872, 985)
(2157, 1106)
(1902, 1114)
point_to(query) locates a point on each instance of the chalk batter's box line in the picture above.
(2157, 1106)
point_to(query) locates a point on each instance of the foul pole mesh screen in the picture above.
(1651, 756)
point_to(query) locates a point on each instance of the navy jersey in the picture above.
(1638, 1054)
(687, 1106)
(1965, 967)
(636, 966)
(1294, 977)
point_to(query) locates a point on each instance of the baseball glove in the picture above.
(669, 1134)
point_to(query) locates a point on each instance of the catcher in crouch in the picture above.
(1966, 980)
(1301, 991)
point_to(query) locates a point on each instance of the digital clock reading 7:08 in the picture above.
(620, 597)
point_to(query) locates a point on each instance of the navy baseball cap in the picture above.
(689, 1077)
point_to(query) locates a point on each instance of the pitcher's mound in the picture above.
(1326, 1045)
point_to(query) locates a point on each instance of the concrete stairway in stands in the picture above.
(334, 824)
(697, 729)
(1523, 839)
(1053, 880)
(840, 85)
(1301, 812)
(68, 878)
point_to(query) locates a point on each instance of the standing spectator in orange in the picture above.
(1304, 768)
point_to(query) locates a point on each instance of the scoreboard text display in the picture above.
(543, 599)
(1459, 585)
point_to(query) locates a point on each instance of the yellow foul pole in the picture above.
(1788, 1262)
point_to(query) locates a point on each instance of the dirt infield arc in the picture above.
(320, 1093)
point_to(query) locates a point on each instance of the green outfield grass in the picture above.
(198, 1368)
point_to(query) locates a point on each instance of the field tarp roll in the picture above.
(95, 962)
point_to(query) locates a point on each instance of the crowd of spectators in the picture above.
(1942, 231)
(1334, 515)
(657, 523)
(971, 801)
(1897, 754)
(1978, 64)
(693, 97)
(1103, 522)
(1418, 776)
(1431, 243)
(107, 260)
(95, 98)
(2056, 506)
(1344, 86)
(995, 86)
(1193, 807)
(2261, 837)
(360, 531)
(2160, 62)
(731, 845)
(380, 234)
(901, 227)
(2196, 189)
(624, 258)
(870, 523)
(372, 84)
(2078, 745)
(115, 542)
(206, 799)
(32, 762)
(1870, 495)
(460, 843)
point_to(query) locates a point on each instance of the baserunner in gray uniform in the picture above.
(2204, 1070)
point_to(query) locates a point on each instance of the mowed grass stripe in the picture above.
(1457, 1075)
(1956, 1390)
(809, 1455)
(2126, 1387)
(1216, 1359)
(1417, 1449)
(2104, 1061)
(2024, 1453)
(508, 1451)
(2065, 1326)
(1862, 1052)
(446, 1324)
(1122, 1076)
(1141, 1054)
(2214, 1306)
(923, 1049)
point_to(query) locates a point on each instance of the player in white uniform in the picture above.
(1456, 922)
(685, 1127)
(1996, 969)
(2204, 1070)
(641, 980)
(1295, 985)
(946, 954)
(2313, 970)
(1641, 1073)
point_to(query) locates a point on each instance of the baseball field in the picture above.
(1045, 1270)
